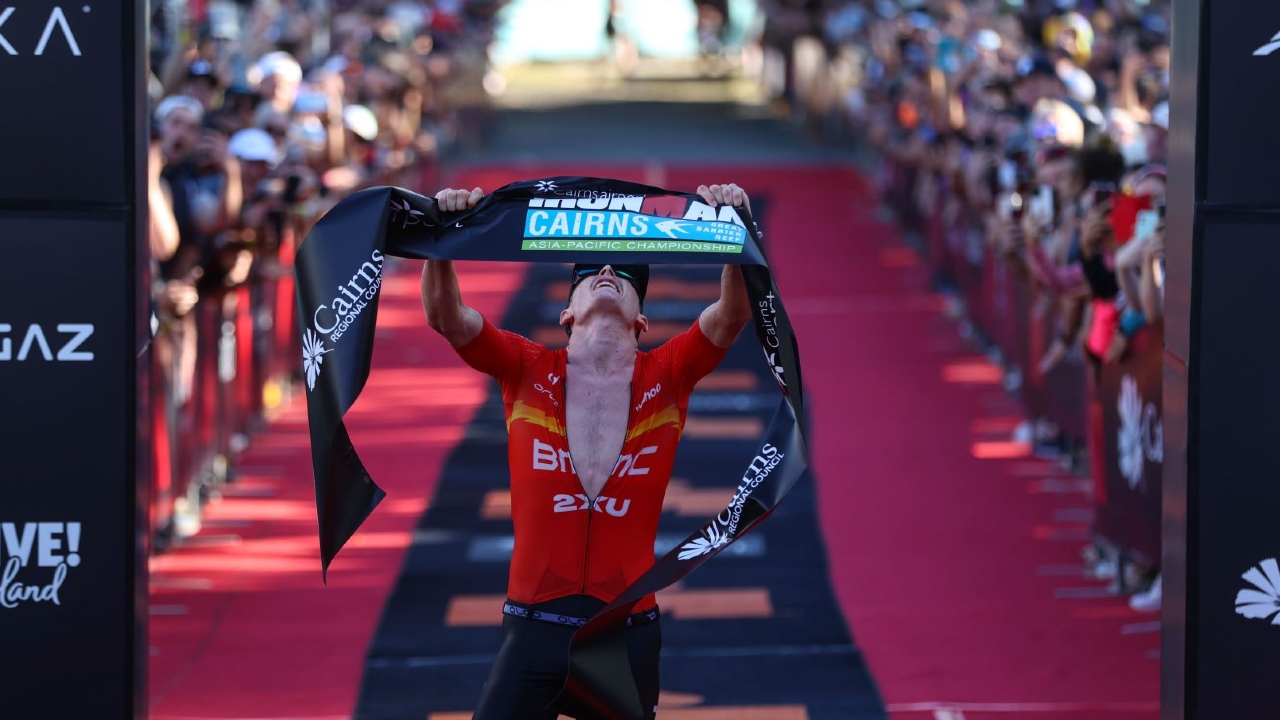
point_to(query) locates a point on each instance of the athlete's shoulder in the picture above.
(501, 352)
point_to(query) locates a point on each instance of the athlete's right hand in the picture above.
(454, 200)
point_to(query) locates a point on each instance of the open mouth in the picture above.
(609, 283)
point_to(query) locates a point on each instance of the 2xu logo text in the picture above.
(57, 22)
(35, 343)
(573, 503)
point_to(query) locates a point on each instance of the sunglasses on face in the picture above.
(584, 273)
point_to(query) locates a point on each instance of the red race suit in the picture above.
(565, 544)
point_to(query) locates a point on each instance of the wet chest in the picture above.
(597, 410)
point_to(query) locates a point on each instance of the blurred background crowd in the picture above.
(265, 113)
(1021, 145)
(1018, 143)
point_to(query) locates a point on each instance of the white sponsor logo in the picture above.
(554, 380)
(57, 22)
(548, 458)
(672, 207)
(39, 545)
(1262, 601)
(572, 503)
(769, 321)
(403, 215)
(630, 465)
(1140, 436)
(713, 536)
(649, 394)
(723, 527)
(69, 339)
(1269, 47)
(549, 187)
(332, 319)
(671, 227)
(313, 352)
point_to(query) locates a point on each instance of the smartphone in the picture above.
(1146, 224)
(1041, 206)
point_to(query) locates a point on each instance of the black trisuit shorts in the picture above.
(533, 661)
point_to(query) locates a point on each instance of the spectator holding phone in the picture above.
(1135, 261)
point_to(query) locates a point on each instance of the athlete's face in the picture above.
(605, 292)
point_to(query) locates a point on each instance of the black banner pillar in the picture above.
(72, 335)
(1222, 381)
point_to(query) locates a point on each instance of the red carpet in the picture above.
(938, 555)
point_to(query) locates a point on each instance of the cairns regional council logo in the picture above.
(595, 221)
(331, 319)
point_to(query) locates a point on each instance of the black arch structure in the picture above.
(1221, 581)
(74, 395)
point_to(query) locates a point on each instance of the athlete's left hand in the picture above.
(730, 194)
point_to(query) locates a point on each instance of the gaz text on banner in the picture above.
(559, 220)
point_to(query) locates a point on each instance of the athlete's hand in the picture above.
(716, 195)
(454, 200)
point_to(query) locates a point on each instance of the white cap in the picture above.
(1080, 86)
(179, 102)
(361, 121)
(279, 63)
(253, 144)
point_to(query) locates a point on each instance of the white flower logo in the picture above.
(547, 186)
(1264, 602)
(411, 216)
(774, 367)
(712, 538)
(313, 352)
(1269, 48)
(1130, 434)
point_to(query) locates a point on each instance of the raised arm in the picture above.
(441, 297)
(724, 319)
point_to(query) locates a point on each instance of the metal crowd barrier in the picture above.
(247, 359)
(246, 353)
(1108, 419)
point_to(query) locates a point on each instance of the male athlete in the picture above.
(592, 432)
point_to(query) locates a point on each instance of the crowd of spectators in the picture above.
(1039, 125)
(265, 113)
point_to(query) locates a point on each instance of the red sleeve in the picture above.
(498, 353)
(689, 357)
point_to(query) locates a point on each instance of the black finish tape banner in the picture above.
(559, 220)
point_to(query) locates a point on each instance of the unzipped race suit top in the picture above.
(565, 544)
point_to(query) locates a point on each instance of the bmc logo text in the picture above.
(37, 339)
(574, 503)
(57, 21)
(546, 457)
